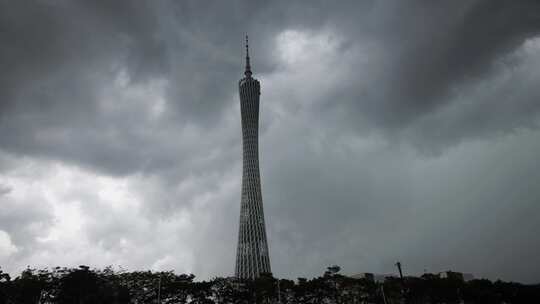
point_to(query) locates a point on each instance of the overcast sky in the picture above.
(389, 130)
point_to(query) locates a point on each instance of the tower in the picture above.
(252, 252)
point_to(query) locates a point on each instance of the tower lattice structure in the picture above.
(252, 256)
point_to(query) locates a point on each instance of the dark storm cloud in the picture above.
(148, 91)
(58, 55)
(430, 52)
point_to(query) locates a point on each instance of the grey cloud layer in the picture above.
(58, 57)
(148, 90)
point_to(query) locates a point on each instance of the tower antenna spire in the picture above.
(247, 72)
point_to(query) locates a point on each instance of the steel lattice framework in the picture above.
(252, 257)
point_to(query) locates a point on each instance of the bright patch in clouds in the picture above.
(7, 248)
(297, 47)
(307, 74)
(95, 220)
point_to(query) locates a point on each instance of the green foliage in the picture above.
(84, 285)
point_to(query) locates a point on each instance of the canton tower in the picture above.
(252, 252)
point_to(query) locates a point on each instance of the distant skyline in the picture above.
(389, 130)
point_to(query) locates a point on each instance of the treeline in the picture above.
(83, 285)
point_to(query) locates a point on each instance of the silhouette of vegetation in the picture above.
(83, 285)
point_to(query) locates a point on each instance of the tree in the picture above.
(84, 286)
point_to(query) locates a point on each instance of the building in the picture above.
(252, 258)
(380, 278)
